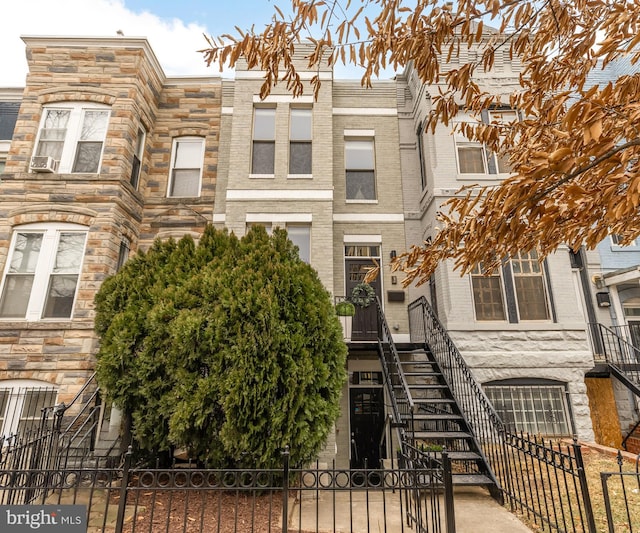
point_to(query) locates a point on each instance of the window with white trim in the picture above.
(359, 155)
(264, 141)
(298, 234)
(616, 240)
(473, 157)
(42, 272)
(8, 119)
(187, 159)
(21, 404)
(536, 406)
(530, 286)
(73, 135)
(300, 146)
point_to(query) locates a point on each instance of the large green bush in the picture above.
(229, 348)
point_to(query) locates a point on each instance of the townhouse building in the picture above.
(106, 153)
(327, 170)
(103, 153)
(522, 330)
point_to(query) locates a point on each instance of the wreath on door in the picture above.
(363, 295)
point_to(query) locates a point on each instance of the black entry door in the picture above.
(365, 322)
(367, 426)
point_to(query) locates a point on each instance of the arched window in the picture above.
(40, 279)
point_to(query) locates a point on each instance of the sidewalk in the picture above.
(475, 512)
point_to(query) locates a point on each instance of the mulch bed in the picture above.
(195, 511)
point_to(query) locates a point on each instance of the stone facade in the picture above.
(124, 76)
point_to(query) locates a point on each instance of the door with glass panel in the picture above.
(358, 261)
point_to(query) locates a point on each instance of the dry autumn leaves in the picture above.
(574, 149)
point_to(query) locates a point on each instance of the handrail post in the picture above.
(122, 504)
(584, 486)
(285, 490)
(449, 510)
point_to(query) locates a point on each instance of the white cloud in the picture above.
(174, 41)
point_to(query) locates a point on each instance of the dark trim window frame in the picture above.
(263, 148)
(518, 291)
(360, 169)
(300, 140)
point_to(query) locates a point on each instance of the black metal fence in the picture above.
(137, 500)
(621, 493)
(541, 480)
(49, 438)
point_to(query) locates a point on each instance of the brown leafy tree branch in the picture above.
(573, 151)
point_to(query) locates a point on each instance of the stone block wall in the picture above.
(124, 75)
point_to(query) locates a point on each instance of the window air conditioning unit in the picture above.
(43, 163)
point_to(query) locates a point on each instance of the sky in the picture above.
(174, 28)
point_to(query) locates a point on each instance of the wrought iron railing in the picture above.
(483, 421)
(541, 480)
(620, 491)
(617, 350)
(402, 403)
(283, 499)
(53, 442)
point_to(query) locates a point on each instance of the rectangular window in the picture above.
(474, 157)
(617, 239)
(301, 237)
(92, 134)
(533, 409)
(360, 169)
(35, 400)
(53, 133)
(264, 140)
(42, 273)
(19, 278)
(123, 254)
(186, 167)
(300, 141)
(487, 294)
(72, 136)
(529, 284)
(137, 158)
(422, 156)
(8, 119)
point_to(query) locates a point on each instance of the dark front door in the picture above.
(367, 426)
(365, 322)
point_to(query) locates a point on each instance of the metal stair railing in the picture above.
(402, 404)
(619, 354)
(544, 481)
(485, 424)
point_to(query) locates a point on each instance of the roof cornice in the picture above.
(101, 42)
